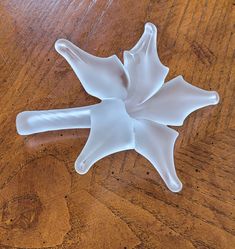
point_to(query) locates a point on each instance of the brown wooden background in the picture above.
(122, 202)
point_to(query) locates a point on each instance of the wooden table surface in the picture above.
(122, 202)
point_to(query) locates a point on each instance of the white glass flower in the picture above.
(135, 109)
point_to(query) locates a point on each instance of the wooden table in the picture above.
(122, 202)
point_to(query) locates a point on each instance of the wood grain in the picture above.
(122, 202)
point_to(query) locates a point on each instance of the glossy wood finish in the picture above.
(121, 202)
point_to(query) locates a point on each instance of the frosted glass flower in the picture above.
(135, 109)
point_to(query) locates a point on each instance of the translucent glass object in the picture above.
(136, 106)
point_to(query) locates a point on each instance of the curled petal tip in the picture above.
(175, 185)
(81, 167)
(214, 96)
(150, 27)
(171, 179)
(60, 44)
(63, 47)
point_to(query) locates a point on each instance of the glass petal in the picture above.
(111, 131)
(101, 77)
(146, 72)
(174, 102)
(156, 143)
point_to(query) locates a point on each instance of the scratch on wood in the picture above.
(90, 6)
(98, 21)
